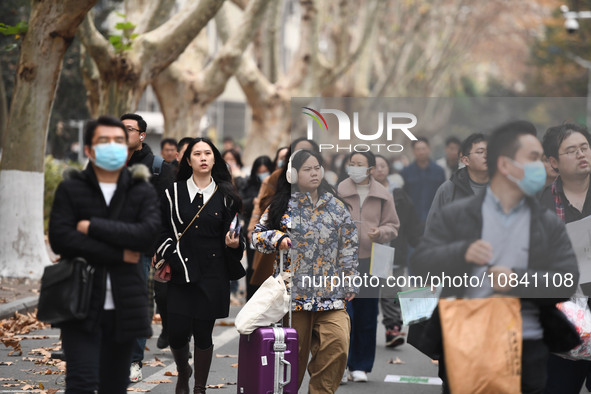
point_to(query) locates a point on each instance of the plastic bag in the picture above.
(578, 313)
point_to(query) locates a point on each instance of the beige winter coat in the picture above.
(378, 210)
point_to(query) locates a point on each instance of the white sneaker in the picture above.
(345, 378)
(359, 376)
(135, 372)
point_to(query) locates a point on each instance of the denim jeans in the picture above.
(364, 324)
(137, 354)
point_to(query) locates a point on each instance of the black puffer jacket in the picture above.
(80, 198)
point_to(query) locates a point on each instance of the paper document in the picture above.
(579, 233)
(382, 260)
(413, 379)
(418, 304)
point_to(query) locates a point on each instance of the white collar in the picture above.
(194, 189)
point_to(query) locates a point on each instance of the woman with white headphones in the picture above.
(306, 217)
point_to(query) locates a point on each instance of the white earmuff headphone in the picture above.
(292, 174)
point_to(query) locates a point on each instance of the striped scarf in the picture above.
(558, 206)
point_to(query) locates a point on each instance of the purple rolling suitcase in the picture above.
(268, 359)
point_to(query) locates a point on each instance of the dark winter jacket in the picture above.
(79, 197)
(409, 232)
(458, 186)
(160, 181)
(421, 185)
(458, 224)
(202, 256)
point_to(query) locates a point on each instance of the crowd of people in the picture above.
(487, 207)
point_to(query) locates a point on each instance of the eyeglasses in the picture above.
(572, 152)
(130, 129)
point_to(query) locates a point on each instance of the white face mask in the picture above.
(357, 174)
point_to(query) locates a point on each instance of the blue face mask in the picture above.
(263, 175)
(110, 157)
(534, 177)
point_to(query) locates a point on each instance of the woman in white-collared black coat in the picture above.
(199, 290)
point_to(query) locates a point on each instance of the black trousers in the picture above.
(180, 329)
(534, 358)
(96, 361)
(567, 376)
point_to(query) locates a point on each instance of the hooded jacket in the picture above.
(79, 197)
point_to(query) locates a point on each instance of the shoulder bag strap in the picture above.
(196, 215)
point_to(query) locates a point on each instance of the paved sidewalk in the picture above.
(18, 295)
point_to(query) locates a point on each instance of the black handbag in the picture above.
(66, 288)
(235, 269)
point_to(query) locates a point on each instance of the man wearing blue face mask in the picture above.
(505, 232)
(106, 214)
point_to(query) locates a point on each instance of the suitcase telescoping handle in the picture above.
(288, 289)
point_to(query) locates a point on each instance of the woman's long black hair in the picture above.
(283, 192)
(260, 161)
(219, 172)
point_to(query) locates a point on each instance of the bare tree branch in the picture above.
(254, 83)
(164, 44)
(307, 52)
(241, 4)
(228, 59)
(336, 72)
(95, 43)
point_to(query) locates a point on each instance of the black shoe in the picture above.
(162, 342)
(59, 355)
(394, 337)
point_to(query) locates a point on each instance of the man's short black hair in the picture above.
(554, 137)
(419, 139)
(170, 141)
(103, 120)
(141, 123)
(184, 141)
(452, 140)
(504, 141)
(467, 144)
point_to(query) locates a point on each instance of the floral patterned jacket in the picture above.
(323, 256)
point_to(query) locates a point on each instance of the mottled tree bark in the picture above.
(52, 26)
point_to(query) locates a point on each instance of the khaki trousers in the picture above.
(324, 335)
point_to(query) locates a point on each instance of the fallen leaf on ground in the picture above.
(234, 365)
(397, 361)
(225, 324)
(6, 363)
(137, 390)
(231, 383)
(215, 386)
(436, 362)
(168, 373)
(159, 381)
(226, 356)
(155, 363)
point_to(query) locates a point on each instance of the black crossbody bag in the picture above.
(66, 287)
